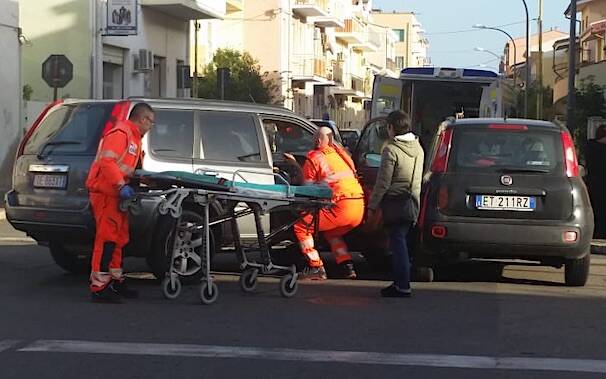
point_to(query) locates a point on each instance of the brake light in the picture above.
(570, 155)
(510, 127)
(440, 161)
(36, 123)
(119, 113)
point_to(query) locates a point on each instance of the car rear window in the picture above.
(70, 129)
(173, 134)
(524, 149)
(229, 137)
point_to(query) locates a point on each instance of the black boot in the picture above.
(121, 289)
(106, 295)
(348, 271)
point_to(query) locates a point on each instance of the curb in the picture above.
(598, 248)
(2, 214)
(20, 240)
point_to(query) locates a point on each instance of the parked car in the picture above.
(329, 124)
(49, 200)
(497, 189)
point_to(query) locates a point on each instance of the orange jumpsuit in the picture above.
(116, 159)
(332, 166)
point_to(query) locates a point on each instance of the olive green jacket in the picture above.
(401, 157)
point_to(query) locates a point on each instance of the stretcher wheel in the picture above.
(169, 291)
(208, 294)
(248, 280)
(288, 286)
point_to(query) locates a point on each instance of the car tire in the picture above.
(576, 271)
(160, 254)
(68, 260)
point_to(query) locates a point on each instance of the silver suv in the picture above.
(49, 200)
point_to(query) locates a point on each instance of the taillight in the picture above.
(570, 155)
(438, 231)
(440, 161)
(36, 123)
(119, 113)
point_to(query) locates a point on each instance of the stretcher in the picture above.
(174, 188)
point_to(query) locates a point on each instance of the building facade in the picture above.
(10, 121)
(151, 63)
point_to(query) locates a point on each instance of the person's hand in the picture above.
(127, 192)
(290, 158)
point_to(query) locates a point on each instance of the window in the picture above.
(372, 142)
(72, 129)
(483, 149)
(229, 136)
(400, 62)
(401, 34)
(286, 137)
(173, 134)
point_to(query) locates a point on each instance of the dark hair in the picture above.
(399, 121)
(139, 110)
(600, 132)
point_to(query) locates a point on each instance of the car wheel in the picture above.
(190, 256)
(576, 271)
(68, 260)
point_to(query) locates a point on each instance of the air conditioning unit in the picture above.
(144, 61)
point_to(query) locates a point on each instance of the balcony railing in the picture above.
(337, 72)
(390, 64)
(357, 84)
(353, 31)
(311, 8)
(309, 68)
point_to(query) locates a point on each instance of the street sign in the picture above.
(57, 71)
(121, 17)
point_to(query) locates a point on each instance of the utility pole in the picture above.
(572, 59)
(195, 81)
(540, 64)
(528, 59)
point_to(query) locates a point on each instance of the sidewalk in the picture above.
(598, 247)
(9, 235)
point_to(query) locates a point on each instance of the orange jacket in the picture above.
(117, 157)
(333, 166)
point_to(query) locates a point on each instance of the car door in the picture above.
(367, 155)
(230, 145)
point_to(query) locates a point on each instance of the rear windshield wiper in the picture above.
(41, 154)
(522, 170)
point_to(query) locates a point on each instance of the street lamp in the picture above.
(527, 60)
(499, 57)
(515, 50)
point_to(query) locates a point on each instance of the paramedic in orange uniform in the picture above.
(107, 183)
(331, 165)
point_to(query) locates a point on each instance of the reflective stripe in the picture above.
(107, 154)
(307, 243)
(126, 170)
(116, 273)
(100, 279)
(313, 255)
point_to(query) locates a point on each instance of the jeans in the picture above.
(399, 251)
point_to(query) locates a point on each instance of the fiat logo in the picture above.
(506, 180)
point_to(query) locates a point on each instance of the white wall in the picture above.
(10, 82)
(166, 37)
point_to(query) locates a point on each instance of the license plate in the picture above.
(50, 181)
(506, 203)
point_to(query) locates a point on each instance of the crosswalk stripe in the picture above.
(327, 356)
(7, 344)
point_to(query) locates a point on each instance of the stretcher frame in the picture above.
(258, 203)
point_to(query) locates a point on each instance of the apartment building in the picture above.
(150, 59)
(591, 58)
(412, 45)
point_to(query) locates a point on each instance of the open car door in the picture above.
(386, 96)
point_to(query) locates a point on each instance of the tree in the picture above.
(246, 83)
(589, 103)
(548, 108)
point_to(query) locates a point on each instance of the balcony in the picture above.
(188, 9)
(311, 8)
(335, 17)
(390, 64)
(232, 6)
(371, 41)
(309, 68)
(352, 32)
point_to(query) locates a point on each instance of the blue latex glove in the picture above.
(127, 192)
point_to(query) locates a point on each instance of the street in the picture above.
(479, 324)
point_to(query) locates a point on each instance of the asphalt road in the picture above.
(476, 323)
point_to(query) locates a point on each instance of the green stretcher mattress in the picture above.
(211, 182)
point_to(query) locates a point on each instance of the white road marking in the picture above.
(21, 240)
(327, 356)
(7, 344)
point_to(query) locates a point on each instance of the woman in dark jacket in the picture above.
(398, 186)
(596, 179)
